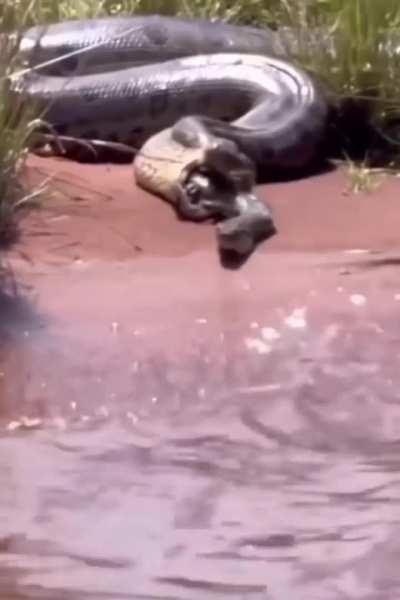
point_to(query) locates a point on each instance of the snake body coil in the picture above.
(124, 79)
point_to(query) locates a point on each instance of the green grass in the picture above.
(15, 199)
(359, 68)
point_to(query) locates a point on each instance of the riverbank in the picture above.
(96, 212)
(363, 65)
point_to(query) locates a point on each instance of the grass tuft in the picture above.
(15, 199)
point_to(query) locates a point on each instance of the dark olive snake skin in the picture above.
(125, 79)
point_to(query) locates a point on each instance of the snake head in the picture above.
(220, 156)
(224, 157)
(243, 220)
(222, 187)
(207, 177)
(214, 184)
(253, 223)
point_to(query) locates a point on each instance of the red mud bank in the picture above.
(97, 212)
(108, 277)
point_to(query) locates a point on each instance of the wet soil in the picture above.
(174, 430)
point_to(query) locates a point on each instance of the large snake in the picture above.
(126, 79)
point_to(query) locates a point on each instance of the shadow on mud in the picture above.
(17, 311)
(377, 263)
(386, 262)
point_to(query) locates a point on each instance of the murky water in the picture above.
(236, 453)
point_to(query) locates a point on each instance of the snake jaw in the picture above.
(203, 195)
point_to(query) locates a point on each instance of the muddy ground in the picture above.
(172, 429)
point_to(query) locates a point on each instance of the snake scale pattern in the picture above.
(123, 79)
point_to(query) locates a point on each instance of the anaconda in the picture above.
(125, 79)
(131, 80)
